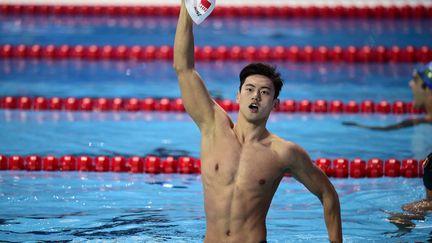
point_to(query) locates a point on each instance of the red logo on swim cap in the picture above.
(205, 4)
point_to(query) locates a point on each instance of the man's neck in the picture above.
(250, 132)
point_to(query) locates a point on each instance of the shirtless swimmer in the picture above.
(243, 163)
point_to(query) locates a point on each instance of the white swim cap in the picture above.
(199, 10)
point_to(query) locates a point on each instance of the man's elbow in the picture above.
(330, 197)
(182, 69)
(331, 205)
(178, 68)
(180, 65)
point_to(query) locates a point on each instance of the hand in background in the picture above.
(403, 220)
(421, 206)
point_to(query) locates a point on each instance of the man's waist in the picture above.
(235, 232)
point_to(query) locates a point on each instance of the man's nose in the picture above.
(256, 96)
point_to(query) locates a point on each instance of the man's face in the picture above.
(256, 97)
(418, 92)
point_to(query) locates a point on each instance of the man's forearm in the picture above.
(184, 42)
(332, 217)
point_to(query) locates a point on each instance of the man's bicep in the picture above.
(313, 178)
(196, 98)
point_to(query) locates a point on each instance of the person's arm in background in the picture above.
(424, 205)
(399, 125)
(416, 210)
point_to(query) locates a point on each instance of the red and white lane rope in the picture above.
(176, 105)
(338, 167)
(362, 54)
(275, 11)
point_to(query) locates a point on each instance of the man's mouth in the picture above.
(253, 108)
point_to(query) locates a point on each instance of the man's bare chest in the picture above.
(228, 162)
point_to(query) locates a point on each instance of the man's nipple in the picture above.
(262, 182)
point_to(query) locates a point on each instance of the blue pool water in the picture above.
(119, 207)
(117, 131)
(157, 79)
(235, 31)
(79, 133)
(122, 207)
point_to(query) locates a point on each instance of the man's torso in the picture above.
(239, 182)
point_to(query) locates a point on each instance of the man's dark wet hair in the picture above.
(265, 70)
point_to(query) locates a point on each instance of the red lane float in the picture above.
(410, 168)
(340, 11)
(392, 168)
(363, 54)
(338, 168)
(357, 168)
(375, 168)
(169, 165)
(176, 105)
(102, 163)
(34, 162)
(68, 163)
(118, 164)
(50, 163)
(325, 165)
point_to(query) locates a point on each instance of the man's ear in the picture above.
(238, 97)
(276, 103)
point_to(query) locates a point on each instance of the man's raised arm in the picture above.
(196, 98)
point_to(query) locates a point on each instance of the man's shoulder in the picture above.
(281, 142)
(221, 124)
(285, 148)
(290, 154)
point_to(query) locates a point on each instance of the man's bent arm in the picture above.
(318, 183)
(331, 205)
(196, 98)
